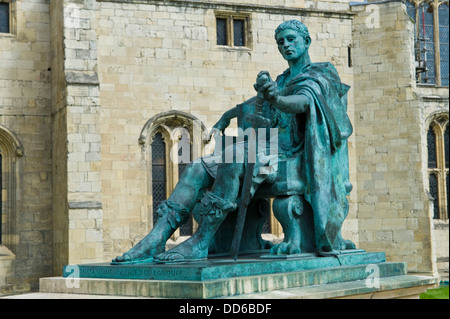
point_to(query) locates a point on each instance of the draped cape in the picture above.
(325, 128)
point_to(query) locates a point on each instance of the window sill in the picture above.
(7, 35)
(228, 48)
(431, 85)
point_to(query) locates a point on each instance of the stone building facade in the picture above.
(97, 97)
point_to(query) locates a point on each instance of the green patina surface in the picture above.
(221, 268)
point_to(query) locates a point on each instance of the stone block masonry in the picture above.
(156, 57)
(392, 204)
(25, 112)
(78, 225)
(80, 80)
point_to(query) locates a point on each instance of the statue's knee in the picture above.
(193, 170)
(231, 171)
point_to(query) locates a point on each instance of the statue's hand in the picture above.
(262, 78)
(271, 92)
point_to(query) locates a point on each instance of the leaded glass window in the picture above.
(438, 157)
(431, 145)
(434, 192)
(266, 227)
(232, 29)
(158, 172)
(444, 43)
(4, 17)
(411, 10)
(427, 55)
(222, 32)
(239, 32)
(170, 153)
(431, 40)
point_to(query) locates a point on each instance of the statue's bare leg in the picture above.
(215, 207)
(172, 213)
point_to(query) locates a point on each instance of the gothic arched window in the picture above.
(438, 158)
(10, 151)
(173, 139)
(159, 185)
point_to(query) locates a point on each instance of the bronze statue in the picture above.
(306, 171)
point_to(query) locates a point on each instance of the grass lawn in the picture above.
(438, 293)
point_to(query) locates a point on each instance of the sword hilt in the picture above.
(263, 78)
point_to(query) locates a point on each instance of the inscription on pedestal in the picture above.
(123, 272)
(219, 268)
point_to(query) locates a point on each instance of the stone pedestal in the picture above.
(251, 276)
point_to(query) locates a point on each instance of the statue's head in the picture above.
(293, 42)
(296, 26)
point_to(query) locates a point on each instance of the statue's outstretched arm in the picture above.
(289, 103)
(224, 122)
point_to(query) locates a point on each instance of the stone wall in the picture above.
(434, 102)
(75, 97)
(162, 56)
(25, 112)
(76, 135)
(393, 208)
(59, 139)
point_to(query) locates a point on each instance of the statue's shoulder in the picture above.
(324, 68)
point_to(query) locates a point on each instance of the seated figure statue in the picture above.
(307, 106)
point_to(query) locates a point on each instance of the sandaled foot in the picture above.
(189, 250)
(143, 251)
(125, 259)
(175, 257)
(122, 259)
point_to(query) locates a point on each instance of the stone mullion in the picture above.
(441, 171)
(437, 51)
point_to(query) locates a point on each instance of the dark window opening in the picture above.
(158, 173)
(431, 144)
(239, 33)
(350, 59)
(431, 37)
(434, 192)
(232, 30)
(444, 43)
(4, 18)
(222, 34)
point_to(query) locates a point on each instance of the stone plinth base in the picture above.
(395, 287)
(303, 276)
